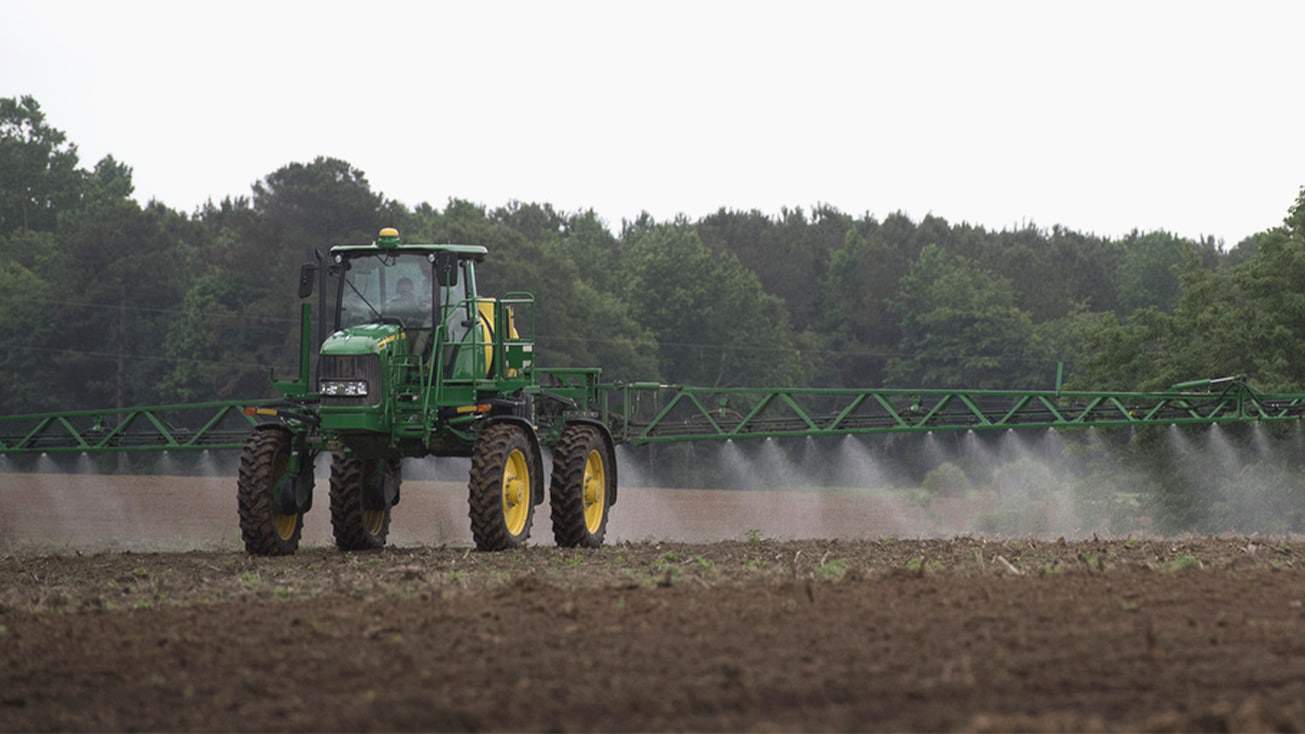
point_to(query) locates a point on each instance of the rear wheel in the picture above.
(581, 487)
(360, 502)
(264, 475)
(500, 492)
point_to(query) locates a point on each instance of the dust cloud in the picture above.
(1238, 478)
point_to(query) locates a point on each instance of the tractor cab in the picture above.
(411, 287)
(402, 298)
(407, 331)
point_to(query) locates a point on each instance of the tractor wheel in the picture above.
(581, 488)
(360, 513)
(503, 469)
(264, 464)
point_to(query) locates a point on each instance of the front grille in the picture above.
(351, 367)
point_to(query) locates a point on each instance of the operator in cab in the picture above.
(405, 297)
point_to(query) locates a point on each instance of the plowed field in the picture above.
(757, 634)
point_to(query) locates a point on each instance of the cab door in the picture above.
(467, 329)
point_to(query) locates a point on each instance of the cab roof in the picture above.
(475, 251)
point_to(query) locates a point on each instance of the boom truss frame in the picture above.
(643, 413)
(652, 413)
(214, 425)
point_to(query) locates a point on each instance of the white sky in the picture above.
(1100, 116)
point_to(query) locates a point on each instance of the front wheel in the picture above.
(500, 492)
(264, 477)
(581, 488)
(362, 492)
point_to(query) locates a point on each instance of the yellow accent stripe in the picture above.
(389, 339)
(478, 408)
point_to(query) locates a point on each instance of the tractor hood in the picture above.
(364, 339)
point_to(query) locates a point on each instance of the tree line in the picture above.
(105, 302)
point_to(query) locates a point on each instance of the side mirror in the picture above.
(307, 277)
(445, 265)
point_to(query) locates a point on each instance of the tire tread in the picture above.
(485, 491)
(566, 487)
(351, 534)
(254, 495)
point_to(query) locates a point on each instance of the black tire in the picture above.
(264, 462)
(580, 491)
(360, 517)
(501, 490)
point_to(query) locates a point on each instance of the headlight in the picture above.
(344, 388)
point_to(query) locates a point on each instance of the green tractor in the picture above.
(417, 363)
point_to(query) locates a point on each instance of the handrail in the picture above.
(434, 378)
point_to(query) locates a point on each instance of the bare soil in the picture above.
(752, 633)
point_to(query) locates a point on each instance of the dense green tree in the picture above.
(713, 323)
(789, 254)
(1152, 268)
(1054, 272)
(39, 177)
(1248, 318)
(1243, 250)
(961, 327)
(314, 205)
(99, 288)
(1295, 221)
(119, 261)
(26, 327)
(592, 248)
(859, 327)
(1105, 352)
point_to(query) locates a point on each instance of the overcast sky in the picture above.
(1098, 116)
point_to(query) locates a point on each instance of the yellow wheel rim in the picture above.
(595, 489)
(373, 520)
(285, 525)
(516, 492)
